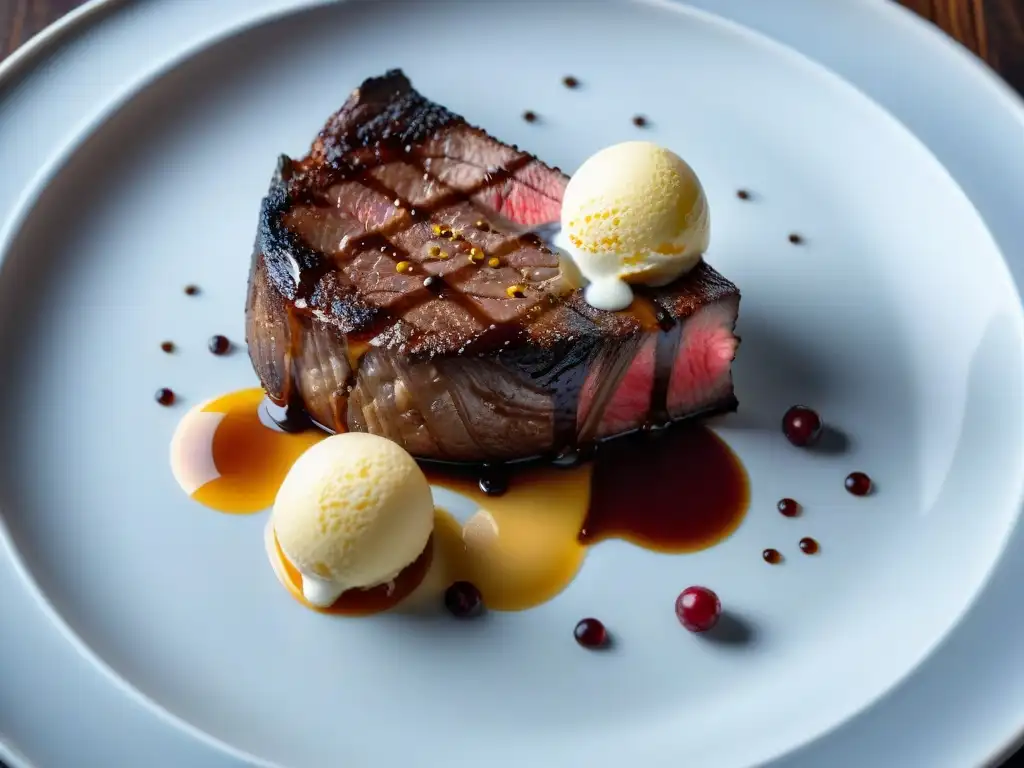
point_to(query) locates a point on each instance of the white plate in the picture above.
(136, 147)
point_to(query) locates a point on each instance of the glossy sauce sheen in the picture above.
(226, 458)
(680, 491)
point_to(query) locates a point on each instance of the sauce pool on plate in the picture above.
(681, 491)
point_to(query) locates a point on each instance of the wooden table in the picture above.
(993, 29)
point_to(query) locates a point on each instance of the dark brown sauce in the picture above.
(640, 121)
(494, 481)
(808, 546)
(165, 396)
(771, 556)
(191, 290)
(683, 492)
(167, 346)
(529, 116)
(795, 239)
(287, 418)
(570, 82)
(743, 194)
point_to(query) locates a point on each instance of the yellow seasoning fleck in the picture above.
(476, 255)
(516, 291)
(404, 266)
(443, 255)
(434, 251)
(494, 261)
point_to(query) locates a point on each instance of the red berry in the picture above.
(788, 507)
(801, 425)
(858, 484)
(698, 608)
(463, 599)
(590, 633)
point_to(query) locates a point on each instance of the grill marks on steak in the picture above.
(461, 371)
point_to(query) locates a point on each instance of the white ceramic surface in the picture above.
(135, 155)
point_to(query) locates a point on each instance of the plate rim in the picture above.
(44, 43)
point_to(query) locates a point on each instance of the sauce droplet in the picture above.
(494, 482)
(808, 546)
(288, 418)
(219, 345)
(167, 346)
(639, 121)
(530, 116)
(191, 290)
(570, 81)
(795, 239)
(772, 556)
(590, 633)
(165, 396)
(743, 194)
(858, 484)
(788, 507)
(801, 425)
(698, 609)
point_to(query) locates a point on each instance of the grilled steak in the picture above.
(393, 291)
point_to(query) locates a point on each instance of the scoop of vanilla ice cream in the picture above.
(634, 213)
(353, 512)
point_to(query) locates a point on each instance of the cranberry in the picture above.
(801, 425)
(788, 507)
(219, 345)
(463, 599)
(858, 484)
(590, 633)
(698, 608)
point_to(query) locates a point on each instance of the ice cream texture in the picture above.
(634, 213)
(353, 512)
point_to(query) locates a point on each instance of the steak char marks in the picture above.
(392, 291)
